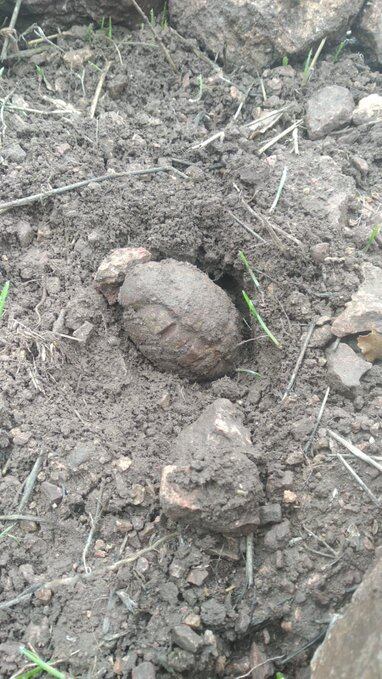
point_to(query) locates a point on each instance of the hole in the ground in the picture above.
(233, 285)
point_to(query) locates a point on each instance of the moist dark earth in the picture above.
(102, 421)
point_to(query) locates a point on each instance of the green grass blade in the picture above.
(308, 62)
(338, 51)
(33, 657)
(3, 297)
(248, 372)
(249, 269)
(279, 189)
(260, 321)
(29, 674)
(374, 233)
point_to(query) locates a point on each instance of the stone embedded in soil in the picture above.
(271, 513)
(364, 312)
(369, 30)
(369, 110)
(345, 367)
(13, 153)
(25, 233)
(213, 613)
(351, 647)
(258, 660)
(328, 109)
(51, 491)
(184, 637)
(214, 486)
(197, 576)
(321, 337)
(112, 270)
(179, 319)
(278, 535)
(83, 333)
(145, 670)
(257, 32)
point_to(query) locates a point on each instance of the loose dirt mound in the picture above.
(100, 419)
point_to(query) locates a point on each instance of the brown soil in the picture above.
(86, 409)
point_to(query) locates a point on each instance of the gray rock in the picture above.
(364, 311)
(369, 30)
(214, 484)
(360, 164)
(345, 367)
(81, 453)
(25, 233)
(117, 86)
(369, 110)
(186, 638)
(213, 613)
(321, 337)
(270, 514)
(319, 252)
(328, 109)
(83, 333)
(197, 576)
(179, 319)
(14, 153)
(351, 647)
(257, 32)
(145, 670)
(51, 491)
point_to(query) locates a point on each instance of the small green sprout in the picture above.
(307, 63)
(280, 675)
(41, 665)
(253, 311)
(3, 297)
(374, 233)
(338, 51)
(89, 35)
(249, 269)
(152, 18)
(285, 61)
(109, 31)
(310, 62)
(200, 82)
(164, 20)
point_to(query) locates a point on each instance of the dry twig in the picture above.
(299, 360)
(319, 418)
(11, 26)
(98, 90)
(277, 138)
(93, 526)
(359, 480)
(356, 451)
(249, 560)
(34, 198)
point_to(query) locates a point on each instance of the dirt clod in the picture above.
(214, 485)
